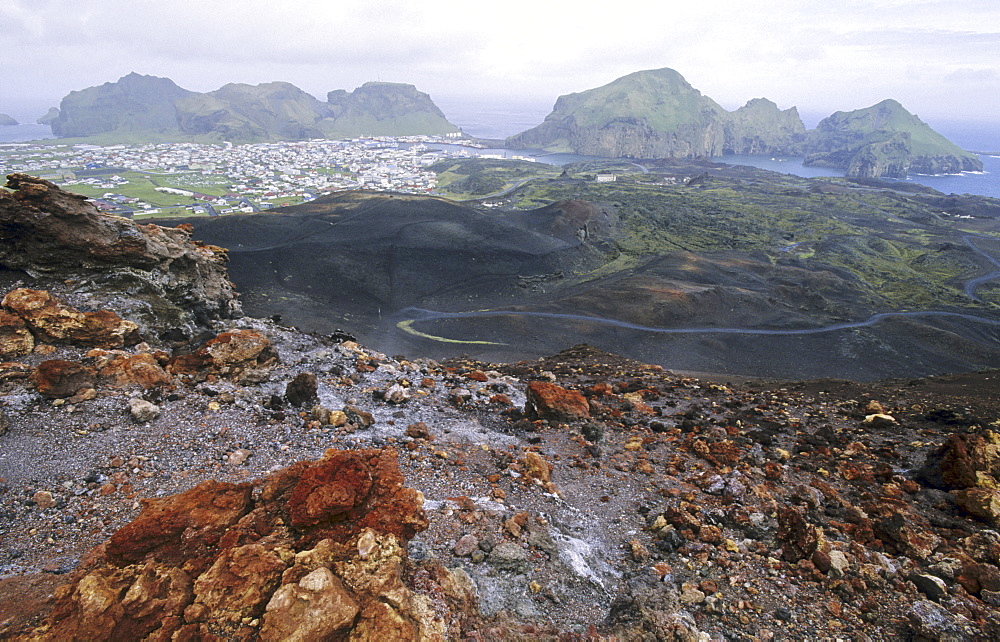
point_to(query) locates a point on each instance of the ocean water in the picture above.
(24, 132)
(985, 183)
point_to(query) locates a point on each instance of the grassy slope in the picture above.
(890, 242)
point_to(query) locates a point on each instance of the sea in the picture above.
(490, 120)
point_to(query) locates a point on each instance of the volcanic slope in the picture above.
(732, 270)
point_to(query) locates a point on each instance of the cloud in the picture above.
(812, 54)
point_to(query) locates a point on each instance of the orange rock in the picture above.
(15, 339)
(318, 555)
(244, 356)
(136, 370)
(550, 401)
(53, 322)
(535, 467)
(59, 379)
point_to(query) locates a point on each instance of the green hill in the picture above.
(647, 114)
(885, 140)
(385, 109)
(657, 114)
(134, 104)
(243, 113)
(7, 121)
(138, 108)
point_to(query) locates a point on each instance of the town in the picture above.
(195, 179)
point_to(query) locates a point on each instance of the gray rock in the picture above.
(931, 586)
(465, 545)
(509, 557)
(397, 394)
(935, 622)
(143, 411)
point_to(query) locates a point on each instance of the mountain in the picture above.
(7, 121)
(49, 116)
(885, 140)
(385, 109)
(145, 107)
(759, 127)
(657, 114)
(135, 104)
(243, 113)
(647, 114)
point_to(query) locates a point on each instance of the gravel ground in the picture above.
(667, 501)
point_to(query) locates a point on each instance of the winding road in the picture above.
(415, 315)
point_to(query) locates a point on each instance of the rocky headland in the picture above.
(7, 121)
(657, 114)
(139, 107)
(259, 482)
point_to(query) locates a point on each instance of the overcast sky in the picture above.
(940, 58)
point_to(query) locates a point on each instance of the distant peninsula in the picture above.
(657, 114)
(139, 107)
(7, 121)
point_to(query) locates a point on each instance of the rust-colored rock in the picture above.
(173, 283)
(53, 322)
(902, 530)
(15, 338)
(181, 527)
(983, 503)
(136, 370)
(799, 539)
(965, 461)
(551, 401)
(245, 356)
(318, 556)
(345, 492)
(57, 378)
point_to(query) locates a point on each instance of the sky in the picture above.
(939, 58)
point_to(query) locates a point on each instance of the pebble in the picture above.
(466, 545)
(44, 499)
(143, 411)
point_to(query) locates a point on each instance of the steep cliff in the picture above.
(759, 127)
(49, 117)
(384, 109)
(134, 104)
(647, 114)
(7, 121)
(247, 113)
(884, 140)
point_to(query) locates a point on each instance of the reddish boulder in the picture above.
(318, 555)
(965, 461)
(550, 401)
(799, 539)
(53, 322)
(15, 338)
(245, 356)
(136, 370)
(59, 379)
(181, 528)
